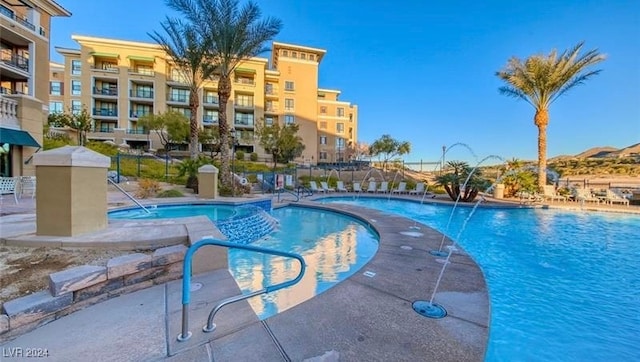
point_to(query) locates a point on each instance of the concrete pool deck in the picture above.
(366, 317)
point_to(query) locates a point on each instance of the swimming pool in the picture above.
(563, 285)
(215, 212)
(334, 247)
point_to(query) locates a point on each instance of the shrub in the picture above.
(147, 188)
(240, 155)
(170, 193)
(253, 157)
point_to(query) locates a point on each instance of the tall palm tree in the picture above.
(234, 35)
(188, 52)
(540, 80)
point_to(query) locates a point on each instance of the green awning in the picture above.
(142, 59)
(104, 55)
(17, 137)
(245, 70)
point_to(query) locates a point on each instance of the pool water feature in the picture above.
(562, 285)
(215, 212)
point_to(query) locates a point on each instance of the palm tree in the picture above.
(454, 181)
(540, 80)
(233, 35)
(188, 52)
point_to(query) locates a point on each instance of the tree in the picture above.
(171, 127)
(454, 181)
(540, 80)
(210, 136)
(281, 142)
(189, 51)
(358, 151)
(81, 122)
(387, 148)
(516, 178)
(233, 35)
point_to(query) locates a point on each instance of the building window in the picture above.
(210, 117)
(339, 143)
(294, 54)
(76, 87)
(268, 88)
(289, 119)
(185, 111)
(244, 100)
(76, 107)
(303, 56)
(323, 125)
(323, 110)
(323, 140)
(340, 127)
(76, 67)
(179, 95)
(288, 104)
(55, 88)
(350, 117)
(244, 119)
(288, 86)
(323, 156)
(269, 120)
(312, 57)
(55, 107)
(285, 53)
(340, 112)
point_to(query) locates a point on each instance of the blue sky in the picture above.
(424, 71)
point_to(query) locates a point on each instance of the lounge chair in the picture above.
(9, 185)
(402, 188)
(357, 187)
(372, 187)
(529, 197)
(314, 187)
(419, 190)
(28, 185)
(384, 187)
(613, 198)
(325, 187)
(584, 195)
(550, 194)
(340, 187)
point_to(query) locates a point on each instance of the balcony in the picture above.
(137, 131)
(103, 129)
(210, 100)
(105, 112)
(245, 81)
(243, 122)
(9, 112)
(15, 61)
(141, 93)
(178, 98)
(111, 92)
(142, 71)
(270, 108)
(244, 104)
(10, 14)
(209, 120)
(106, 68)
(139, 113)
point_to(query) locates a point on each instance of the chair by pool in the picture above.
(314, 187)
(418, 190)
(325, 187)
(613, 198)
(372, 187)
(402, 188)
(340, 187)
(357, 187)
(384, 187)
(550, 194)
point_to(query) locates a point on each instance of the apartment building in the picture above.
(119, 81)
(25, 26)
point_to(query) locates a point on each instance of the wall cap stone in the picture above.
(76, 156)
(208, 169)
(73, 279)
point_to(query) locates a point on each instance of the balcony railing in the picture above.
(105, 91)
(138, 114)
(246, 81)
(243, 122)
(106, 68)
(15, 60)
(105, 112)
(209, 120)
(137, 131)
(4, 90)
(244, 104)
(103, 130)
(271, 108)
(178, 98)
(142, 71)
(8, 13)
(141, 93)
(211, 100)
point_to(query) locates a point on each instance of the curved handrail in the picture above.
(186, 281)
(307, 191)
(128, 195)
(280, 191)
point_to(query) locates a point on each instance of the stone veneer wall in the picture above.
(76, 288)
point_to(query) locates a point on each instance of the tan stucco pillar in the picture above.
(71, 191)
(208, 181)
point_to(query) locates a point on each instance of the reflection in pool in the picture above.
(334, 247)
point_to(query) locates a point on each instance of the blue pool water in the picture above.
(215, 212)
(334, 247)
(564, 286)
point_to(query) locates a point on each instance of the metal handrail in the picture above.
(128, 195)
(282, 190)
(185, 334)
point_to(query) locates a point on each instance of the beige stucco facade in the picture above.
(24, 80)
(119, 81)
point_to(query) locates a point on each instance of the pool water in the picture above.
(563, 285)
(334, 247)
(215, 212)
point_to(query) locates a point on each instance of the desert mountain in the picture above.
(603, 152)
